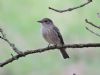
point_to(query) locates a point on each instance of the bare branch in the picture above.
(3, 37)
(73, 8)
(16, 57)
(93, 32)
(92, 24)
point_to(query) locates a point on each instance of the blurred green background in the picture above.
(18, 20)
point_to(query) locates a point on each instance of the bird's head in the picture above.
(46, 21)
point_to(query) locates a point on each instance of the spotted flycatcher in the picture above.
(52, 35)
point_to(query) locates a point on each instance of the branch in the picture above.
(16, 57)
(3, 37)
(90, 23)
(92, 32)
(70, 9)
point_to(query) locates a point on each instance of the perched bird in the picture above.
(52, 35)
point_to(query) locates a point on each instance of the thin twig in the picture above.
(92, 32)
(3, 37)
(92, 24)
(70, 9)
(47, 49)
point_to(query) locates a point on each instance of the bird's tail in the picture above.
(64, 53)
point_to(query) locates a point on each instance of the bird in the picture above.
(52, 35)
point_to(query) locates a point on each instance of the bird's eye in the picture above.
(46, 21)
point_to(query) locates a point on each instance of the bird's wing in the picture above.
(59, 35)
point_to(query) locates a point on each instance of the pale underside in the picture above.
(51, 36)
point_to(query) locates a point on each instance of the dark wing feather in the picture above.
(59, 35)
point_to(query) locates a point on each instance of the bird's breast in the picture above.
(50, 36)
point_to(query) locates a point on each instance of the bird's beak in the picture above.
(39, 21)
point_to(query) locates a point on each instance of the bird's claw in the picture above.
(48, 45)
(55, 45)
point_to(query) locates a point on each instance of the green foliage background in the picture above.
(18, 20)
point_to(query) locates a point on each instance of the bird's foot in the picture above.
(48, 45)
(55, 45)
